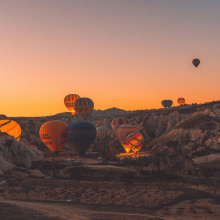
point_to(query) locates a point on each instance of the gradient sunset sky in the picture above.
(129, 54)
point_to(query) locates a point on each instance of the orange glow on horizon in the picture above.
(130, 55)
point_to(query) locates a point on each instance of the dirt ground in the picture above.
(26, 197)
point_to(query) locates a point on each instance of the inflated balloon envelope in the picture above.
(118, 122)
(53, 135)
(181, 101)
(135, 141)
(196, 62)
(11, 127)
(81, 135)
(122, 132)
(83, 107)
(102, 131)
(69, 102)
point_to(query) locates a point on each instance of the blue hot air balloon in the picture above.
(167, 103)
(81, 135)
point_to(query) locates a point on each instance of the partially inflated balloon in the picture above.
(196, 62)
(181, 101)
(69, 102)
(81, 135)
(83, 107)
(167, 103)
(102, 131)
(117, 122)
(122, 132)
(135, 141)
(11, 128)
(53, 135)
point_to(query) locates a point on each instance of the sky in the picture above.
(129, 54)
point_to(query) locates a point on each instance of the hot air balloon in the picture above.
(135, 141)
(167, 103)
(117, 122)
(53, 135)
(83, 107)
(11, 128)
(69, 102)
(196, 62)
(181, 101)
(81, 135)
(102, 131)
(122, 132)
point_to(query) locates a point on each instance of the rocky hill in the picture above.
(171, 135)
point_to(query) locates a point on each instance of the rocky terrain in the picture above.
(179, 177)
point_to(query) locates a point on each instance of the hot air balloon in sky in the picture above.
(102, 131)
(135, 141)
(196, 62)
(53, 135)
(11, 128)
(181, 101)
(167, 103)
(83, 107)
(122, 132)
(81, 135)
(69, 102)
(117, 122)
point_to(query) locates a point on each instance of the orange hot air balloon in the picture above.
(83, 107)
(11, 128)
(181, 101)
(69, 102)
(122, 132)
(53, 135)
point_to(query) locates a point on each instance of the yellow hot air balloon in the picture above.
(11, 128)
(122, 132)
(181, 101)
(69, 102)
(83, 107)
(53, 134)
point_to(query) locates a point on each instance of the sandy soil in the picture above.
(74, 212)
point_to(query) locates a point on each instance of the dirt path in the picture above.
(71, 212)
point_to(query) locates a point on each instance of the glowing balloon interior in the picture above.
(135, 141)
(69, 102)
(122, 132)
(11, 127)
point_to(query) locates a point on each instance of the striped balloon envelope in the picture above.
(83, 107)
(117, 122)
(181, 101)
(81, 135)
(69, 102)
(122, 132)
(53, 134)
(11, 128)
(102, 131)
(135, 141)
